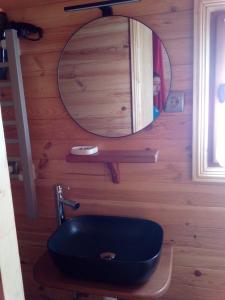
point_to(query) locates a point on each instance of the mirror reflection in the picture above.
(114, 76)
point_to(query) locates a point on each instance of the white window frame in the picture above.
(201, 169)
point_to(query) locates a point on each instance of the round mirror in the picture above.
(114, 76)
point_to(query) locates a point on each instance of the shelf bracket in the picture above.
(115, 171)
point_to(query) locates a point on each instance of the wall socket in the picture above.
(175, 102)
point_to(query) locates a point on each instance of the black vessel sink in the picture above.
(109, 249)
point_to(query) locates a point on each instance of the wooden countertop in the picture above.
(48, 275)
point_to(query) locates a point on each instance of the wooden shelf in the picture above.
(112, 158)
(48, 275)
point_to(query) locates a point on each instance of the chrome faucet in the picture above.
(60, 202)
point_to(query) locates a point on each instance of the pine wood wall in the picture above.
(192, 214)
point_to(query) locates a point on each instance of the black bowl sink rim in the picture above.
(69, 220)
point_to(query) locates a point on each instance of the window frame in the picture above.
(202, 169)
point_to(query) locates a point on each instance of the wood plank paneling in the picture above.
(192, 214)
(163, 128)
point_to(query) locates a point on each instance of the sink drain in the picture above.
(108, 255)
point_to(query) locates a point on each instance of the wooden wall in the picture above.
(192, 214)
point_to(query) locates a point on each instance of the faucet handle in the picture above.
(62, 187)
(65, 187)
(59, 189)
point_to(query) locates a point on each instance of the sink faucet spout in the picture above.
(60, 202)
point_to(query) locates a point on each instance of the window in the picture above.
(209, 91)
(217, 85)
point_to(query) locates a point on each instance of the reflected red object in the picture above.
(160, 99)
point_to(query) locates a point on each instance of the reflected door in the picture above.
(141, 75)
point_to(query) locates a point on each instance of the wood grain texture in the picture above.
(192, 214)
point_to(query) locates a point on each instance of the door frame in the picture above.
(10, 267)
